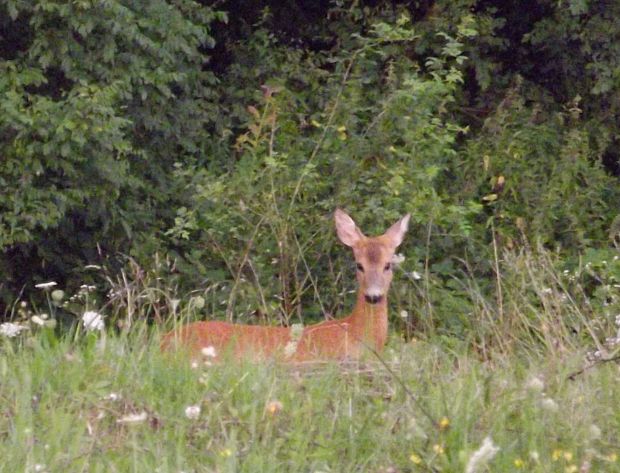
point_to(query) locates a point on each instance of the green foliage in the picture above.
(99, 99)
(381, 130)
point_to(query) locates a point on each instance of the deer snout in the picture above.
(373, 299)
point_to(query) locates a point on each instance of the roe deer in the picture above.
(333, 339)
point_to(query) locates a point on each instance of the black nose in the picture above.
(373, 299)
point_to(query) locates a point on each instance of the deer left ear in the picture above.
(396, 232)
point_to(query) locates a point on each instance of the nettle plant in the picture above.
(375, 139)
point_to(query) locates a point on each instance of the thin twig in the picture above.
(592, 365)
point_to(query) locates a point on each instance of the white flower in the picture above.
(415, 275)
(297, 330)
(133, 418)
(482, 456)
(192, 412)
(92, 321)
(113, 397)
(535, 384)
(209, 352)
(10, 330)
(37, 320)
(45, 285)
(290, 348)
(398, 258)
(404, 314)
(549, 404)
(595, 432)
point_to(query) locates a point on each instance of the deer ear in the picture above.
(348, 232)
(396, 232)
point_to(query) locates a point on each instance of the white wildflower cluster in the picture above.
(481, 457)
(10, 330)
(92, 321)
(192, 412)
(536, 385)
(610, 344)
(291, 347)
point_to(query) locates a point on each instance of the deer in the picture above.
(341, 339)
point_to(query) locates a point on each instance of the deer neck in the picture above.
(370, 321)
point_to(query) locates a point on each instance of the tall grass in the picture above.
(90, 401)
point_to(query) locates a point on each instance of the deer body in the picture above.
(345, 338)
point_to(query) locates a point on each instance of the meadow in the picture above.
(104, 400)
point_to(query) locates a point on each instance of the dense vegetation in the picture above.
(209, 145)
(167, 160)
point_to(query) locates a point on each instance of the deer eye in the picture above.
(360, 268)
(387, 267)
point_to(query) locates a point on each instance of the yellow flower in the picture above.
(568, 456)
(438, 449)
(392, 149)
(557, 453)
(571, 469)
(612, 457)
(519, 463)
(415, 459)
(444, 423)
(314, 123)
(342, 129)
(227, 452)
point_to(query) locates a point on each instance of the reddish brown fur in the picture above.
(332, 339)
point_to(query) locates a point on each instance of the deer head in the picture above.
(373, 255)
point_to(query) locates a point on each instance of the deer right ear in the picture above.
(348, 232)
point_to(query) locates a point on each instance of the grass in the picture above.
(67, 406)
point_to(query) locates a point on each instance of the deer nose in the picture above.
(373, 299)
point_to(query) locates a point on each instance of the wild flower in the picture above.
(549, 404)
(482, 456)
(290, 348)
(438, 449)
(93, 321)
(519, 463)
(38, 320)
(404, 314)
(10, 330)
(227, 452)
(415, 275)
(415, 459)
(45, 285)
(535, 384)
(274, 407)
(113, 397)
(58, 295)
(444, 423)
(398, 258)
(595, 432)
(192, 412)
(209, 352)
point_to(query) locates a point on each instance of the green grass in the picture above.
(56, 413)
